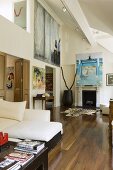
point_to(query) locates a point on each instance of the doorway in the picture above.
(49, 80)
(14, 84)
(49, 86)
(22, 74)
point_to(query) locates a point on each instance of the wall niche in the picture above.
(49, 80)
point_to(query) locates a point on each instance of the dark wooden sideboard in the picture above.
(110, 119)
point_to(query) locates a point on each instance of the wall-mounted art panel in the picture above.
(38, 78)
(46, 36)
(89, 71)
(20, 14)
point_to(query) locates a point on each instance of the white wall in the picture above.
(14, 40)
(72, 45)
(18, 42)
(6, 9)
(38, 63)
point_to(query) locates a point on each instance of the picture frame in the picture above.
(109, 79)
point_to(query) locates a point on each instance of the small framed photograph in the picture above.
(109, 79)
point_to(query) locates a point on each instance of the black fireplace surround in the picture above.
(89, 98)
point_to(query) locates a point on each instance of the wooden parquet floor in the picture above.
(85, 143)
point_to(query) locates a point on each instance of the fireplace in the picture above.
(89, 98)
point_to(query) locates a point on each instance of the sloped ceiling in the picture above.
(99, 14)
(56, 6)
(73, 16)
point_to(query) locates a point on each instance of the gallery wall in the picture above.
(14, 40)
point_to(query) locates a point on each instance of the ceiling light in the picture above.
(64, 9)
(77, 29)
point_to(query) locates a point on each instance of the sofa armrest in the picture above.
(37, 115)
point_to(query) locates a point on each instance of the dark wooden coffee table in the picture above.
(39, 162)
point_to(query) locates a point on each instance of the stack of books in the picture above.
(20, 157)
(30, 146)
(9, 164)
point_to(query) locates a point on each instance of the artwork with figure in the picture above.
(10, 77)
(38, 78)
(89, 70)
(46, 33)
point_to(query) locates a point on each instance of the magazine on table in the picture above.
(15, 166)
(30, 144)
(21, 157)
(8, 164)
(33, 151)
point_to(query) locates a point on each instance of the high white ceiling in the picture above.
(99, 15)
(70, 17)
(66, 17)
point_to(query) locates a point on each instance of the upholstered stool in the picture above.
(104, 109)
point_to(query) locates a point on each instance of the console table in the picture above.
(39, 162)
(110, 119)
(44, 100)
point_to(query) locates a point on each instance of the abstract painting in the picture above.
(38, 78)
(46, 33)
(89, 71)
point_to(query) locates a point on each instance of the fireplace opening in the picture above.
(89, 98)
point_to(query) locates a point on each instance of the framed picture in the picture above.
(109, 79)
(38, 78)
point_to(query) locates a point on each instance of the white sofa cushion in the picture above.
(34, 130)
(12, 110)
(6, 123)
(39, 115)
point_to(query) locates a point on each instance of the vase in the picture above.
(67, 98)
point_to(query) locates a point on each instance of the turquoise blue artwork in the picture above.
(89, 72)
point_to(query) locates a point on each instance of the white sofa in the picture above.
(23, 123)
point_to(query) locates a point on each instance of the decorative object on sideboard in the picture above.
(3, 140)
